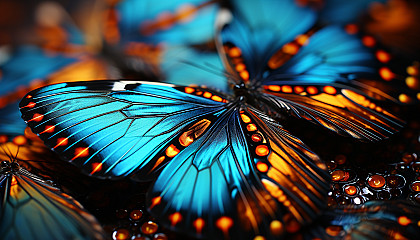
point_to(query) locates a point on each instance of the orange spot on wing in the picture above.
(368, 41)
(262, 150)
(290, 48)
(386, 74)
(299, 89)
(256, 137)
(96, 167)
(36, 117)
(3, 138)
(207, 95)
(330, 90)
(48, 129)
(383, 56)
(312, 90)
(158, 162)
(234, 52)
(80, 152)
(224, 223)
(262, 167)
(189, 90)
(274, 88)
(171, 151)
(20, 140)
(251, 127)
(244, 75)
(404, 221)
(302, 39)
(28, 96)
(352, 28)
(245, 118)
(175, 218)
(199, 224)
(216, 98)
(287, 89)
(30, 105)
(240, 67)
(61, 142)
(155, 201)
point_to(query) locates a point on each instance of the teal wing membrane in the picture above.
(201, 145)
(33, 209)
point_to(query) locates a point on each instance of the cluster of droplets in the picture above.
(355, 186)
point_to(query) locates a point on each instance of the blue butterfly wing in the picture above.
(342, 11)
(31, 67)
(313, 76)
(119, 128)
(185, 66)
(258, 31)
(377, 220)
(175, 22)
(28, 67)
(102, 126)
(216, 187)
(31, 208)
(320, 84)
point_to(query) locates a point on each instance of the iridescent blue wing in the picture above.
(244, 177)
(31, 208)
(320, 83)
(114, 128)
(375, 220)
(341, 11)
(26, 69)
(31, 67)
(256, 31)
(174, 22)
(313, 76)
(119, 128)
(185, 66)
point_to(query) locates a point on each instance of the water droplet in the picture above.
(149, 227)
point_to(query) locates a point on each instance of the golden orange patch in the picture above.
(172, 151)
(20, 140)
(62, 142)
(262, 150)
(175, 218)
(198, 225)
(404, 221)
(96, 167)
(189, 90)
(330, 90)
(245, 118)
(287, 89)
(262, 167)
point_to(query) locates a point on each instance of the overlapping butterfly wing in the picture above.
(176, 22)
(216, 158)
(30, 67)
(313, 75)
(32, 208)
(375, 220)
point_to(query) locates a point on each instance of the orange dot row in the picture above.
(205, 94)
(261, 150)
(300, 89)
(235, 55)
(224, 223)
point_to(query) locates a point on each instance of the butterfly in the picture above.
(223, 165)
(35, 208)
(373, 220)
(63, 53)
